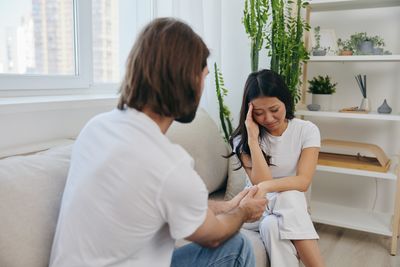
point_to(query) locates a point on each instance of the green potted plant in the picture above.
(224, 113)
(378, 44)
(367, 45)
(322, 89)
(285, 43)
(283, 37)
(345, 47)
(317, 50)
(255, 17)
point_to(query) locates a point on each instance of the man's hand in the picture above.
(234, 202)
(253, 207)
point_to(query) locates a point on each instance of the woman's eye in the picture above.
(275, 110)
(257, 114)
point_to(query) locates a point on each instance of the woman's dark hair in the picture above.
(263, 83)
(164, 69)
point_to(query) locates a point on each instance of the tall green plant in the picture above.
(224, 113)
(285, 43)
(255, 16)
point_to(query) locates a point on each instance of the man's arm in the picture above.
(219, 207)
(217, 228)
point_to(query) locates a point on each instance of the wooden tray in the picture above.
(380, 163)
(352, 162)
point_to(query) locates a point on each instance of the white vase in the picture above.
(365, 105)
(324, 100)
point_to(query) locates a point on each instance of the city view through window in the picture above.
(37, 37)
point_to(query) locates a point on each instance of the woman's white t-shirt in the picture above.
(285, 150)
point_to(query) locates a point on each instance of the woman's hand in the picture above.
(253, 131)
(263, 189)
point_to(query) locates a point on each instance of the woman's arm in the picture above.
(305, 171)
(256, 167)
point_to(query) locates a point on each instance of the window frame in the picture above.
(83, 55)
(81, 82)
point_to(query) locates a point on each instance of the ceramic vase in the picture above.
(384, 108)
(323, 100)
(365, 105)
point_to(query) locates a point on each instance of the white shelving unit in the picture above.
(363, 220)
(385, 58)
(345, 115)
(353, 218)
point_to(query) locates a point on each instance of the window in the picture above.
(38, 37)
(115, 25)
(50, 44)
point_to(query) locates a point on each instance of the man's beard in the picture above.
(187, 118)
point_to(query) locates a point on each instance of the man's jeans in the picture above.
(235, 252)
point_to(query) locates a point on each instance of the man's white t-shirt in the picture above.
(129, 195)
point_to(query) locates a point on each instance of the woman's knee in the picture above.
(269, 226)
(269, 222)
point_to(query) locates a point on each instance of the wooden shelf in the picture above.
(333, 5)
(352, 218)
(390, 175)
(336, 114)
(356, 58)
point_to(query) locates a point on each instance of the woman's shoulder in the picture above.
(303, 123)
(303, 127)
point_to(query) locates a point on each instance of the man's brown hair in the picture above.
(164, 69)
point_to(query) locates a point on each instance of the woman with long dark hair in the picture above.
(279, 154)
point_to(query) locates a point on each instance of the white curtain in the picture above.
(204, 16)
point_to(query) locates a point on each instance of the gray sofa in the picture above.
(32, 180)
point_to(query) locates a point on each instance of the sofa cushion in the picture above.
(30, 194)
(236, 178)
(202, 140)
(258, 247)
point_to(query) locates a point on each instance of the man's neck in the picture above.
(162, 121)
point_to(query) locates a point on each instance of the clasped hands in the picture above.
(249, 201)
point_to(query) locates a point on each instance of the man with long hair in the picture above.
(130, 192)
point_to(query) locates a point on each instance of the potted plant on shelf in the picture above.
(322, 89)
(345, 47)
(367, 45)
(378, 44)
(363, 43)
(317, 50)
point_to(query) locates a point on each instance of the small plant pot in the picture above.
(323, 100)
(346, 53)
(366, 48)
(319, 52)
(378, 51)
